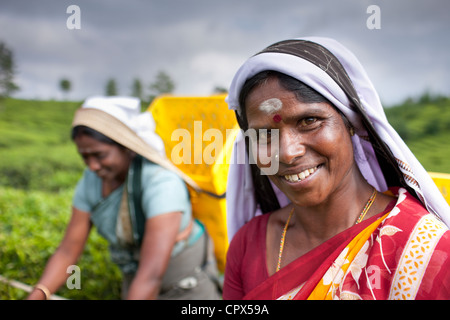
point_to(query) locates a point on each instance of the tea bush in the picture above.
(32, 223)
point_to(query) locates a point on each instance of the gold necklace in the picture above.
(283, 236)
(367, 206)
(360, 218)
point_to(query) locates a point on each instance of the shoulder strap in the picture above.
(134, 199)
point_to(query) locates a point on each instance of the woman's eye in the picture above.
(101, 156)
(308, 121)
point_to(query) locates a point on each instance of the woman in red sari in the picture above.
(351, 213)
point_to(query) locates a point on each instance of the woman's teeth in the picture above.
(300, 176)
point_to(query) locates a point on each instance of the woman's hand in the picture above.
(68, 252)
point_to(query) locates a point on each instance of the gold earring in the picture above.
(352, 131)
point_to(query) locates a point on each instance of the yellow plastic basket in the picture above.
(198, 133)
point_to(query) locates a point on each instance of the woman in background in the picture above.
(139, 202)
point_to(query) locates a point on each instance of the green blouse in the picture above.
(162, 191)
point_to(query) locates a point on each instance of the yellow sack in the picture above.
(198, 133)
(442, 181)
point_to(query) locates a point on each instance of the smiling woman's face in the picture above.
(315, 150)
(109, 162)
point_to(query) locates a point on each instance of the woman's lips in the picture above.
(301, 175)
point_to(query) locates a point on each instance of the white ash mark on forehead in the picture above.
(271, 105)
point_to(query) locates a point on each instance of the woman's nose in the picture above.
(93, 164)
(291, 147)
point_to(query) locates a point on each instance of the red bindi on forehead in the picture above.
(276, 118)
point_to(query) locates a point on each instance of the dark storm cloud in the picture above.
(201, 43)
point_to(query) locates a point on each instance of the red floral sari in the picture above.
(402, 254)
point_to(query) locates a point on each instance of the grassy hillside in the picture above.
(31, 226)
(424, 124)
(35, 146)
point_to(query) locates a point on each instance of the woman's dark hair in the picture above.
(83, 130)
(264, 193)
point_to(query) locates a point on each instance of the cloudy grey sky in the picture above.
(201, 43)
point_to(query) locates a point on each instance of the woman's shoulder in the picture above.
(162, 190)
(411, 217)
(409, 204)
(255, 228)
(152, 171)
(151, 167)
(246, 258)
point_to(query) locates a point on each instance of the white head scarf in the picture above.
(128, 111)
(121, 119)
(241, 203)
